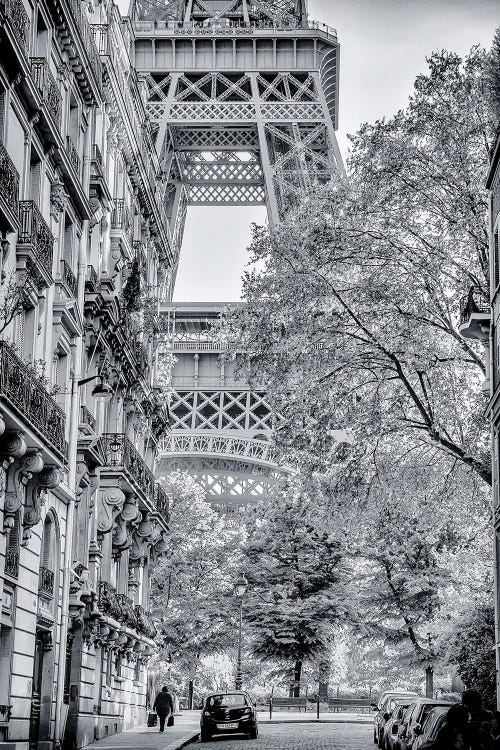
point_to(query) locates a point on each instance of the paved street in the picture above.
(299, 737)
(145, 738)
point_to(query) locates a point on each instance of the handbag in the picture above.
(152, 719)
(170, 721)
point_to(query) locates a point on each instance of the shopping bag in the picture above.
(152, 720)
(170, 721)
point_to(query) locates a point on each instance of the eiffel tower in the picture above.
(242, 96)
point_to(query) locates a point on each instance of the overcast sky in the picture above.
(383, 48)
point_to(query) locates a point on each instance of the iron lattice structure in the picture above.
(242, 100)
(220, 428)
(242, 97)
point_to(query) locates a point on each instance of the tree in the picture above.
(473, 651)
(353, 314)
(192, 581)
(297, 581)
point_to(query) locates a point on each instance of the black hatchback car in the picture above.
(228, 713)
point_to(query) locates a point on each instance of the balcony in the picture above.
(12, 562)
(121, 454)
(161, 500)
(46, 583)
(9, 193)
(18, 19)
(129, 614)
(475, 316)
(110, 602)
(23, 392)
(48, 88)
(91, 280)
(145, 624)
(74, 159)
(87, 418)
(69, 279)
(35, 240)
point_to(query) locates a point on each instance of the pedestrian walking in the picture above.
(481, 730)
(164, 706)
(452, 735)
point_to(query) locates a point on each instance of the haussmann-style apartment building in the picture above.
(82, 244)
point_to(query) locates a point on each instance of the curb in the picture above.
(181, 742)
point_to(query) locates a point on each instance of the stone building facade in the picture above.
(82, 245)
(493, 184)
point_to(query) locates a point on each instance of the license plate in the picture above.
(228, 726)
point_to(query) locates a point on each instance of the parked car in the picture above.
(228, 713)
(390, 730)
(413, 720)
(384, 708)
(430, 728)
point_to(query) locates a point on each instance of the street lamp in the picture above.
(102, 391)
(240, 587)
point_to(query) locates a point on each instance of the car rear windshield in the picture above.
(226, 700)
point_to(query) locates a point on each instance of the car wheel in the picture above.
(205, 737)
(253, 734)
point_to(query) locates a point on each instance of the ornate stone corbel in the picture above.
(58, 199)
(80, 594)
(36, 496)
(141, 539)
(110, 503)
(121, 536)
(18, 476)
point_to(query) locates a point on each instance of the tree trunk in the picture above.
(296, 679)
(324, 679)
(190, 695)
(429, 682)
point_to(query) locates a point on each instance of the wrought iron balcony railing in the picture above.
(120, 216)
(100, 34)
(48, 88)
(145, 624)
(69, 278)
(9, 188)
(97, 157)
(129, 613)
(18, 18)
(46, 582)
(12, 562)
(86, 417)
(91, 279)
(474, 303)
(121, 453)
(34, 231)
(73, 155)
(24, 392)
(161, 499)
(110, 602)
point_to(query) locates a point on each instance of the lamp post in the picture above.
(239, 589)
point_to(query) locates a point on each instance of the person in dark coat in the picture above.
(451, 736)
(482, 724)
(164, 706)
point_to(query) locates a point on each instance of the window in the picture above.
(118, 665)
(496, 259)
(109, 666)
(12, 548)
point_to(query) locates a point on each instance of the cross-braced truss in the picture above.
(220, 410)
(284, 12)
(214, 137)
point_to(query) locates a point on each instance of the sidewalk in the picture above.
(185, 729)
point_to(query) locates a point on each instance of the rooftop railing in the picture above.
(22, 390)
(233, 27)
